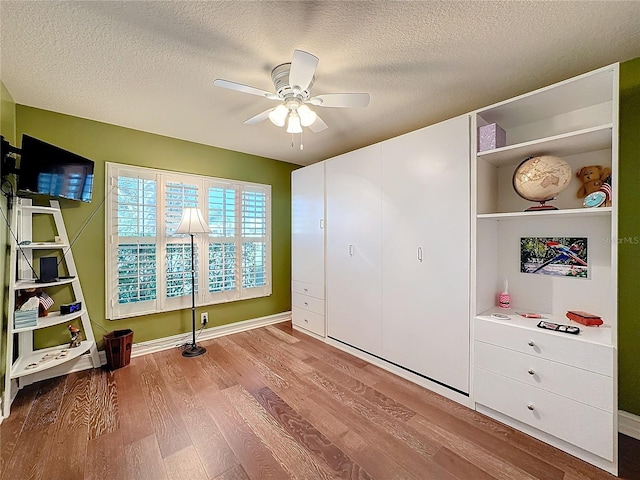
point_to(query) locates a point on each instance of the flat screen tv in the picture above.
(49, 170)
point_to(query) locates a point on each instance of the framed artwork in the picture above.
(559, 256)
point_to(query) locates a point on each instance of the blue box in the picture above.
(25, 318)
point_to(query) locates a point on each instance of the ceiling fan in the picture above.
(292, 82)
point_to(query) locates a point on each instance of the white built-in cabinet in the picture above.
(307, 249)
(398, 248)
(426, 249)
(557, 387)
(421, 231)
(354, 249)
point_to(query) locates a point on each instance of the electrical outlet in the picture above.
(204, 318)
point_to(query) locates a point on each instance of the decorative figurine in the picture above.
(75, 336)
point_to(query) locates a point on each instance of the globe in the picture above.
(540, 179)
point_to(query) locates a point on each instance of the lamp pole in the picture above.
(192, 223)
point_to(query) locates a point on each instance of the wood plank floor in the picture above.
(270, 403)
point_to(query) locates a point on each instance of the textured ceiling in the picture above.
(151, 65)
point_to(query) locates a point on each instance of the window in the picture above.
(148, 265)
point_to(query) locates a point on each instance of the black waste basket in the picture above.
(117, 346)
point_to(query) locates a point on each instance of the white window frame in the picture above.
(161, 303)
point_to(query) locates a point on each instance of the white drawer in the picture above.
(308, 289)
(559, 347)
(586, 427)
(308, 320)
(308, 303)
(581, 385)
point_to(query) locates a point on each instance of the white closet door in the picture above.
(307, 224)
(353, 236)
(426, 238)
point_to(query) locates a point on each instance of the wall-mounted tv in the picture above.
(49, 170)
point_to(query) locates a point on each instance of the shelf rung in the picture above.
(39, 209)
(19, 368)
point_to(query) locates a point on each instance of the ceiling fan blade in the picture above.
(303, 67)
(239, 87)
(318, 126)
(340, 100)
(258, 118)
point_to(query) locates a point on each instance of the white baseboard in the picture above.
(166, 343)
(629, 424)
(83, 362)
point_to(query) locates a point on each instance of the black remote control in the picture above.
(559, 328)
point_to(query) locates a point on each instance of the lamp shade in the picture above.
(278, 115)
(293, 126)
(307, 116)
(192, 222)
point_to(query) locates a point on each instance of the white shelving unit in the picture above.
(25, 360)
(576, 120)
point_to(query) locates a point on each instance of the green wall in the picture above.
(108, 143)
(8, 131)
(629, 239)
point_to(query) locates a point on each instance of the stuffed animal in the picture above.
(592, 178)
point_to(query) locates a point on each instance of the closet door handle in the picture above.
(322, 224)
(351, 250)
(419, 254)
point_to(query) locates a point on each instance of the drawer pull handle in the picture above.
(530, 371)
(306, 303)
(306, 320)
(306, 289)
(531, 343)
(530, 406)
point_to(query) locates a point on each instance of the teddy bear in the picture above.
(592, 178)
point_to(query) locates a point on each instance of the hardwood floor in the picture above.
(269, 403)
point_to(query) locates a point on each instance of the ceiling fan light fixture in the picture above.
(307, 116)
(278, 115)
(294, 126)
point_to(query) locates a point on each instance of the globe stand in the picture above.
(540, 208)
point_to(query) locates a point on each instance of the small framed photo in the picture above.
(559, 256)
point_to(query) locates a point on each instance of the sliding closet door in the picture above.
(426, 238)
(353, 263)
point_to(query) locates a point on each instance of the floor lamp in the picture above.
(192, 222)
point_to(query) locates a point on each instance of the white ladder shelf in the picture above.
(24, 362)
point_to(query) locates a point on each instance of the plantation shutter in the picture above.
(222, 243)
(132, 243)
(255, 238)
(177, 247)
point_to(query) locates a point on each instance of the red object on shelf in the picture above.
(585, 318)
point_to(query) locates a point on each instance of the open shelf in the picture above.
(571, 212)
(44, 246)
(54, 318)
(573, 143)
(24, 284)
(601, 335)
(19, 368)
(39, 209)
